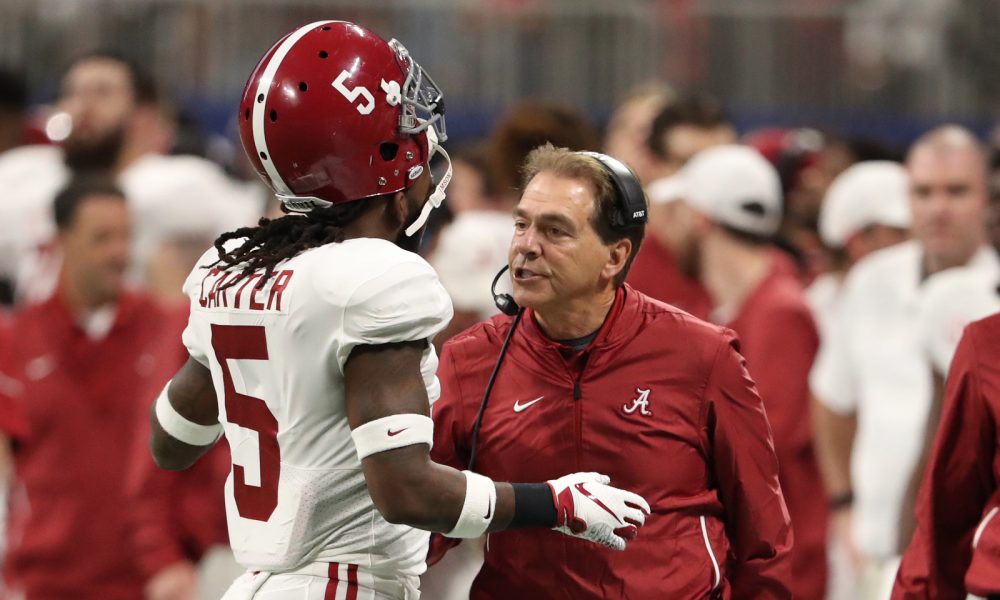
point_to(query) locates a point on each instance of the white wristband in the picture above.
(479, 508)
(180, 428)
(394, 431)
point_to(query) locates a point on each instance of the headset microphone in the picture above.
(505, 302)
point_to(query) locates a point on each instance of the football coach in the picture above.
(584, 373)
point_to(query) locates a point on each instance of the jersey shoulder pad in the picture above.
(384, 293)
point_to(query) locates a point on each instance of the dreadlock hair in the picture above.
(275, 240)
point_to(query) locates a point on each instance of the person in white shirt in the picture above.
(866, 208)
(872, 378)
(309, 343)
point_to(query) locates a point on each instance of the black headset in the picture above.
(631, 203)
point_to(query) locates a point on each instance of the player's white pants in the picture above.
(322, 581)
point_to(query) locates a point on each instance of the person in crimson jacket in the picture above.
(77, 375)
(600, 377)
(175, 518)
(956, 547)
(731, 195)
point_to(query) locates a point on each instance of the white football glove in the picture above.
(587, 507)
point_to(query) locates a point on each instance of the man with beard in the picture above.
(110, 118)
(309, 343)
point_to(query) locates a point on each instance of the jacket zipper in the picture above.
(578, 411)
(711, 553)
(982, 525)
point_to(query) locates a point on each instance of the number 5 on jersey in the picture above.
(248, 342)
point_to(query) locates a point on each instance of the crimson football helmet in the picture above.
(333, 113)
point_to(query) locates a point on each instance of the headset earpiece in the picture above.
(631, 199)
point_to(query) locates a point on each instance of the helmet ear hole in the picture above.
(388, 150)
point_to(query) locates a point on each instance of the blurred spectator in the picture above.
(629, 128)
(111, 117)
(685, 127)
(867, 208)
(680, 130)
(526, 127)
(473, 247)
(731, 196)
(13, 109)
(85, 365)
(798, 155)
(872, 377)
(156, 525)
(808, 161)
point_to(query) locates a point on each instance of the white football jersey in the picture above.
(296, 493)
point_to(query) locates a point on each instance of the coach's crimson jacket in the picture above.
(956, 548)
(662, 403)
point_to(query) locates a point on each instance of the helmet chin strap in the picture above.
(437, 197)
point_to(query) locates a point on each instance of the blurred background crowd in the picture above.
(119, 165)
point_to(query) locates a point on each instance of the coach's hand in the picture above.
(587, 507)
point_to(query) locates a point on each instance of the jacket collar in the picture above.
(619, 325)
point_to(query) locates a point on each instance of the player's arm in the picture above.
(185, 418)
(388, 411)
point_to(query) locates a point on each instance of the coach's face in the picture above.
(556, 255)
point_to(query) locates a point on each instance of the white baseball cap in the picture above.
(732, 185)
(868, 193)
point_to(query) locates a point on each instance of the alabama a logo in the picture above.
(640, 404)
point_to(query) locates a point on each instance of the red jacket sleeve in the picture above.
(956, 486)
(450, 425)
(450, 439)
(746, 473)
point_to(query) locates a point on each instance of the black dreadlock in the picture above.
(275, 240)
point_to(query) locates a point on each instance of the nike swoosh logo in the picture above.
(392, 433)
(586, 494)
(518, 407)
